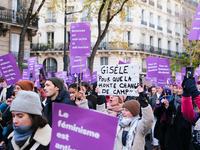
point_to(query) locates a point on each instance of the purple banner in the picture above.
(73, 124)
(152, 68)
(178, 77)
(161, 82)
(26, 74)
(195, 28)
(80, 39)
(183, 70)
(121, 62)
(49, 74)
(94, 77)
(86, 75)
(70, 79)
(75, 64)
(31, 62)
(9, 69)
(163, 68)
(170, 80)
(36, 75)
(57, 74)
(63, 75)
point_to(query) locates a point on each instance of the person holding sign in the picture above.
(132, 128)
(31, 130)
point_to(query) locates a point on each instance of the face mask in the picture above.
(4, 86)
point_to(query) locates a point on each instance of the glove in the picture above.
(100, 99)
(190, 86)
(186, 93)
(142, 100)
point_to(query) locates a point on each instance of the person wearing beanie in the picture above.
(31, 130)
(132, 128)
(55, 93)
(198, 85)
(23, 85)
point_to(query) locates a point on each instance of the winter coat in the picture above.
(142, 128)
(63, 97)
(39, 140)
(93, 99)
(152, 100)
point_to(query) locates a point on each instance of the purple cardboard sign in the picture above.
(49, 74)
(75, 65)
(183, 70)
(178, 77)
(36, 75)
(196, 71)
(161, 82)
(70, 79)
(80, 39)
(163, 68)
(57, 74)
(147, 78)
(9, 69)
(73, 124)
(31, 62)
(26, 74)
(63, 75)
(121, 62)
(195, 28)
(94, 77)
(86, 75)
(152, 68)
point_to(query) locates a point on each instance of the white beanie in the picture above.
(27, 102)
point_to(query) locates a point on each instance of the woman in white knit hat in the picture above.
(31, 130)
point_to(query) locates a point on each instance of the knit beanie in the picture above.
(27, 102)
(57, 82)
(179, 86)
(133, 106)
(26, 85)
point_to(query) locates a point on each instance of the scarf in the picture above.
(113, 110)
(132, 129)
(21, 134)
(177, 101)
(3, 92)
(87, 93)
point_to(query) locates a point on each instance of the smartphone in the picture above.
(189, 72)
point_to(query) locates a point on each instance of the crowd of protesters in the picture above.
(170, 113)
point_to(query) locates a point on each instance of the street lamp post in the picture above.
(65, 25)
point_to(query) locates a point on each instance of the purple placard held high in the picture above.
(49, 74)
(86, 75)
(73, 124)
(80, 39)
(152, 68)
(75, 64)
(196, 71)
(183, 70)
(9, 69)
(63, 75)
(36, 74)
(57, 74)
(121, 62)
(26, 74)
(163, 68)
(195, 28)
(94, 77)
(31, 62)
(178, 77)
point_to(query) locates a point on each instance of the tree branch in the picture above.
(38, 10)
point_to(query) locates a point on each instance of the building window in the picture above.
(15, 45)
(143, 15)
(127, 59)
(177, 47)
(151, 40)
(70, 17)
(50, 64)
(151, 18)
(128, 14)
(159, 21)
(168, 25)
(104, 61)
(50, 16)
(169, 45)
(50, 39)
(159, 43)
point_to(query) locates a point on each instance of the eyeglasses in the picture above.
(17, 89)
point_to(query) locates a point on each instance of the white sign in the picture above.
(118, 79)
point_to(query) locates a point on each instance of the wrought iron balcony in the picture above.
(86, 19)
(176, 14)
(151, 25)
(159, 6)
(195, 4)
(169, 10)
(50, 20)
(143, 22)
(159, 28)
(178, 34)
(49, 47)
(16, 17)
(169, 31)
(151, 3)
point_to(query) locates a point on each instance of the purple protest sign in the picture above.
(57, 74)
(195, 28)
(80, 39)
(70, 79)
(49, 74)
(163, 68)
(41, 69)
(121, 62)
(183, 70)
(161, 82)
(178, 77)
(94, 77)
(36, 75)
(152, 68)
(196, 71)
(77, 64)
(9, 69)
(73, 124)
(26, 74)
(31, 62)
(147, 78)
(63, 75)
(170, 80)
(86, 75)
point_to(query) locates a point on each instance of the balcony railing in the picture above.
(159, 28)
(169, 10)
(159, 6)
(50, 20)
(16, 17)
(195, 4)
(49, 47)
(169, 31)
(151, 25)
(51, 69)
(86, 19)
(143, 22)
(177, 34)
(151, 3)
(176, 14)
(128, 20)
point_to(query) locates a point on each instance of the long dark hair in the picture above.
(37, 121)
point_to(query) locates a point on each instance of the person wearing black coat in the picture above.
(55, 92)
